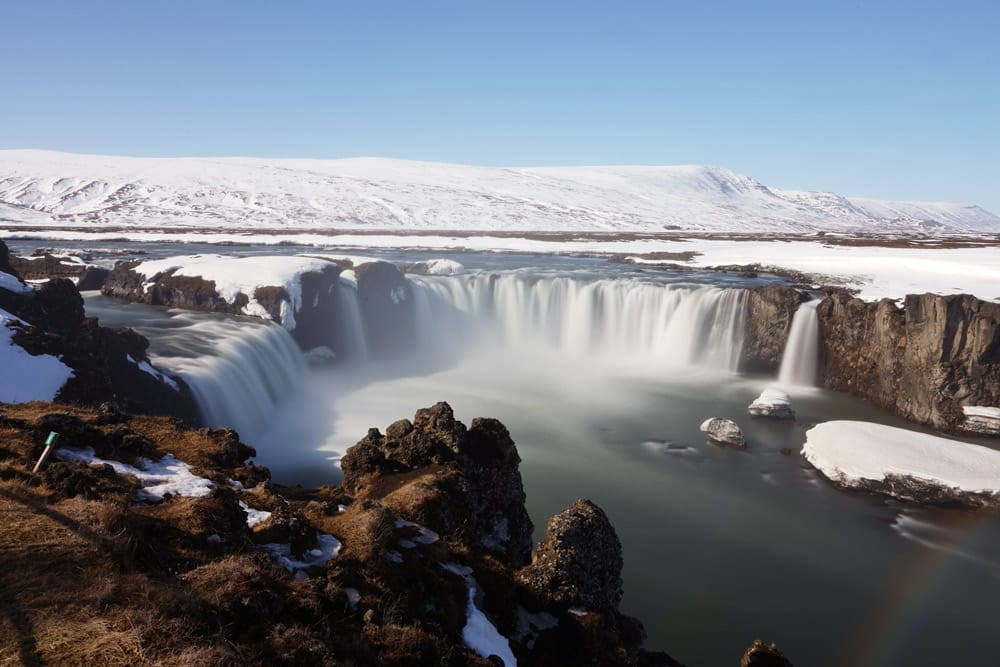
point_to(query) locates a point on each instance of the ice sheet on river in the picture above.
(906, 464)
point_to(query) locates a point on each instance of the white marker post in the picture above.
(50, 444)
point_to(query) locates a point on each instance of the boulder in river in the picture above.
(773, 403)
(724, 432)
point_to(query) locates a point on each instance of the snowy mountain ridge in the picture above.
(50, 188)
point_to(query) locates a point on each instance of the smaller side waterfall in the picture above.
(799, 362)
(354, 342)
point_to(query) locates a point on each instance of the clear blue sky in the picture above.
(884, 99)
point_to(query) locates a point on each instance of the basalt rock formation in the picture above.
(923, 361)
(475, 491)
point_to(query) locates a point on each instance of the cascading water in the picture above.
(799, 361)
(241, 370)
(610, 319)
(352, 324)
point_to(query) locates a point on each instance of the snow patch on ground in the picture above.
(851, 452)
(479, 633)
(26, 377)
(328, 548)
(254, 517)
(168, 476)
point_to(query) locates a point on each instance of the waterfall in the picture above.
(239, 370)
(799, 361)
(352, 325)
(612, 319)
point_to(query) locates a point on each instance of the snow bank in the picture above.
(861, 453)
(981, 419)
(169, 475)
(479, 633)
(254, 517)
(26, 377)
(12, 284)
(772, 402)
(145, 367)
(436, 267)
(235, 275)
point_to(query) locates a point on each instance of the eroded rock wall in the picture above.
(922, 361)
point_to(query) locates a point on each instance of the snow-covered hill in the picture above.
(41, 187)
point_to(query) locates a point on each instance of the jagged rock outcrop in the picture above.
(764, 655)
(769, 313)
(922, 361)
(475, 491)
(724, 432)
(579, 561)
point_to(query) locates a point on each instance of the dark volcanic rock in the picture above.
(92, 278)
(166, 289)
(475, 492)
(764, 655)
(579, 561)
(5, 266)
(923, 361)
(386, 300)
(56, 306)
(769, 314)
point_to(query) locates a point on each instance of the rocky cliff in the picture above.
(923, 361)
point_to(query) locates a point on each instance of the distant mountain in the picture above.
(41, 187)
